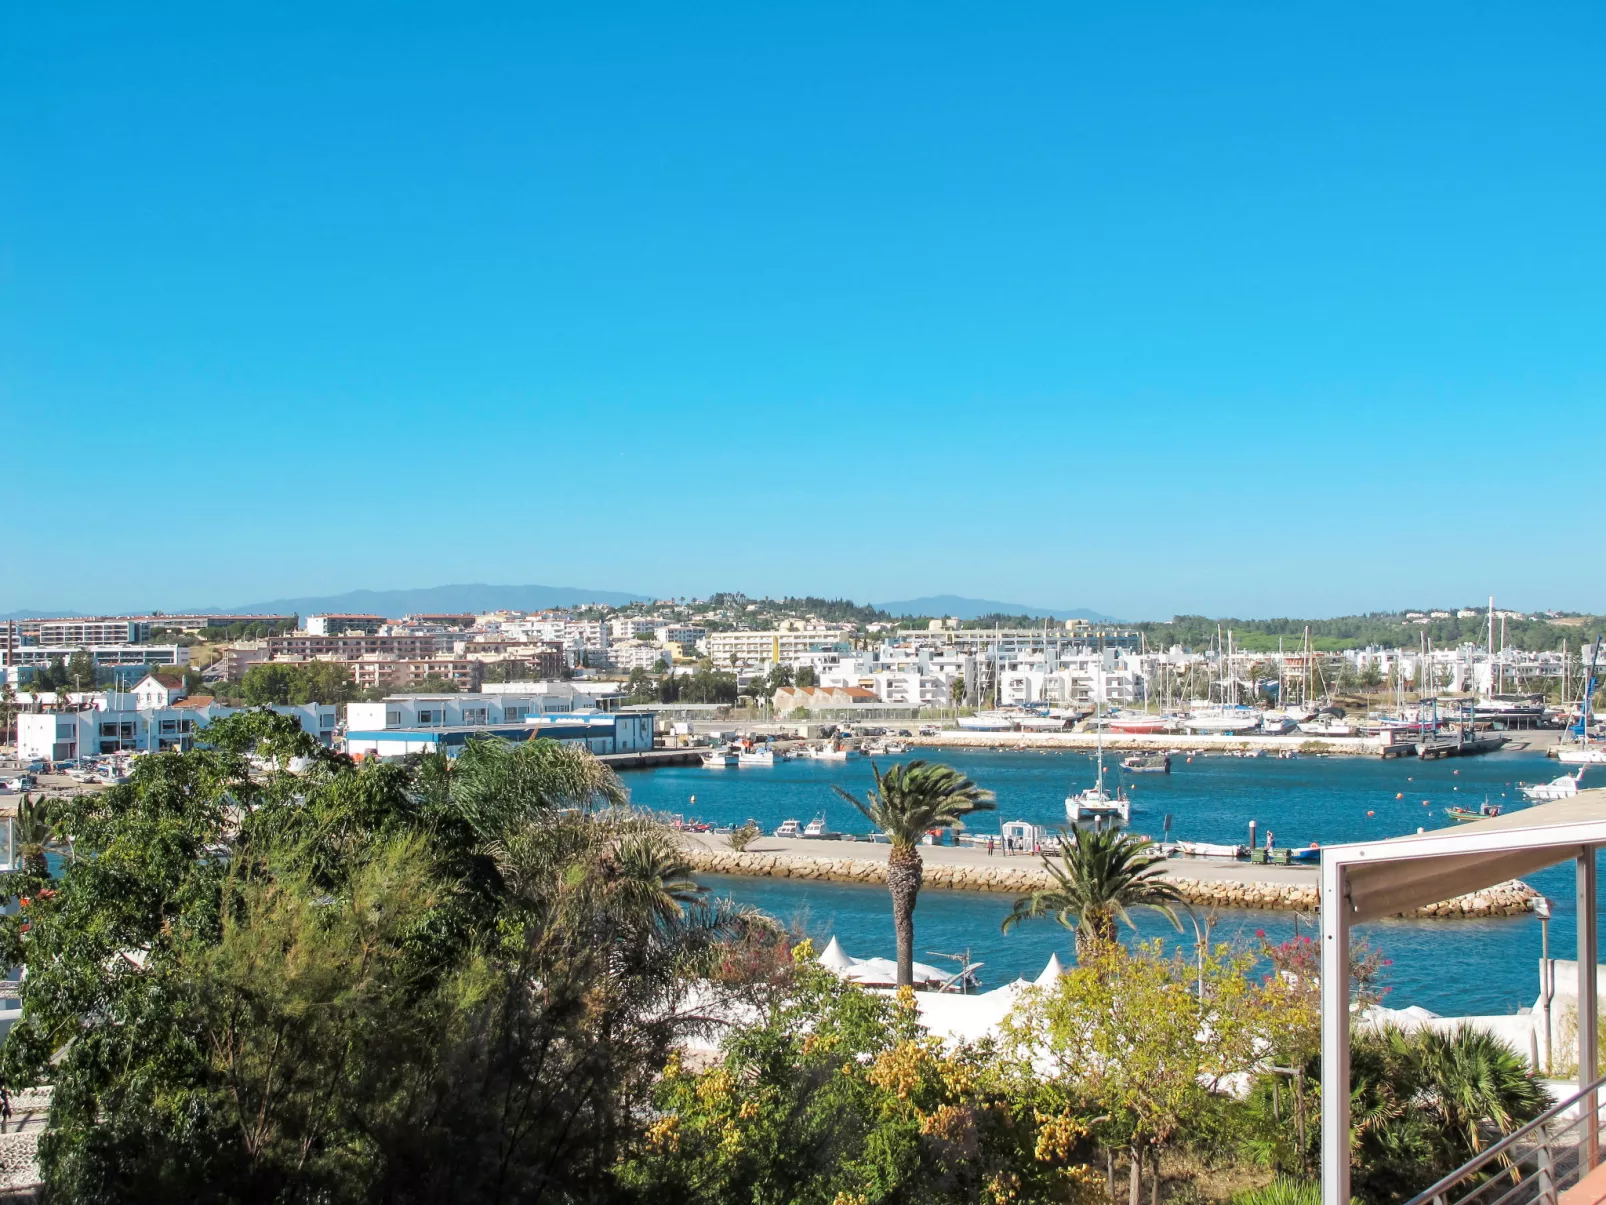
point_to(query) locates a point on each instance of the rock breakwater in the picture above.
(1511, 898)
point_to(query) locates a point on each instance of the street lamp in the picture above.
(1547, 970)
(1201, 942)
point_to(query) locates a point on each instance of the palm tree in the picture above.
(1100, 875)
(908, 801)
(34, 832)
(653, 874)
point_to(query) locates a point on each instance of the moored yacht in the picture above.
(1557, 788)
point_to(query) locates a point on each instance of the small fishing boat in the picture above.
(1146, 763)
(755, 757)
(719, 759)
(1484, 811)
(789, 828)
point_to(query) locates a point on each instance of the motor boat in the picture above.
(1326, 726)
(1146, 763)
(719, 759)
(1139, 724)
(1276, 723)
(1224, 720)
(815, 830)
(1564, 787)
(789, 828)
(755, 757)
(987, 721)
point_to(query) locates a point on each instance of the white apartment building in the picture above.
(103, 654)
(733, 649)
(679, 633)
(638, 656)
(630, 627)
(69, 735)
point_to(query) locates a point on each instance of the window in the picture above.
(392, 719)
(476, 715)
(108, 729)
(327, 720)
(185, 725)
(169, 726)
(428, 717)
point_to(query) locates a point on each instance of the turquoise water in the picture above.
(1459, 967)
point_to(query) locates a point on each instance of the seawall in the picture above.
(1203, 884)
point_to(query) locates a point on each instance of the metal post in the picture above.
(1335, 1035)
(1588, 1017)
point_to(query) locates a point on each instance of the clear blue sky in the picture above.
(1146, 308)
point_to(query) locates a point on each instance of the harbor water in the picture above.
(1452, 967)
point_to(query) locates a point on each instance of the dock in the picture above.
(651, 759)
(1163, 742)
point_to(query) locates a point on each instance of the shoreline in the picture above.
(1200, 881)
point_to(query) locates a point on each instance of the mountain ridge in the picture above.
(961, 607)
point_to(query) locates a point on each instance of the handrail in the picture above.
(1438, 1190)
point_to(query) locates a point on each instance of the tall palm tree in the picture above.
(908, 801)
(1100, 875)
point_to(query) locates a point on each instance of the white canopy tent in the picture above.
(1368, 880)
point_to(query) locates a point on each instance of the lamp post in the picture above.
(1201, 941)
(1547, 971)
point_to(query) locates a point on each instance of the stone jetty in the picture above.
(1202, 883)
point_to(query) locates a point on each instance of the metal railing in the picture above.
(1533, 1165)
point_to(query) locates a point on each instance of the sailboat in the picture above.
(1583, 753)
(1095, 803)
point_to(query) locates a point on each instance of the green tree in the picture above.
(80, 670)
(1099, 876)
(1124, 1033)
(909, 801)
(424, 982)
(807, 677)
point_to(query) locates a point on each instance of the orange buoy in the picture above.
(1399, 795)
(1371, 813)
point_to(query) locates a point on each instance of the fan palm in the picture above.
(1100, 875)
(909, 801)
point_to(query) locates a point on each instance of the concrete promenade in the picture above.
(1204, 882)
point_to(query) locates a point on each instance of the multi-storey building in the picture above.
(350, 646)
(336, 625)
(735, 649)
(117, 725)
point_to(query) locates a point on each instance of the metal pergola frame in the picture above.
(1369, 880)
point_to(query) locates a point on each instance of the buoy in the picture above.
(1455, 771)
(1424, 803)
(1400, 795)
(1371, 813)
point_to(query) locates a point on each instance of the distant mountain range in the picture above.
(975, 608)
(478, 597)
(395, 603)
(439, 599)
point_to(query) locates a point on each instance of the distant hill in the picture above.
(975, 608)
(468, 598)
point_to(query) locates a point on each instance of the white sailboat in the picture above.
(1094, 802)
(1584, 753)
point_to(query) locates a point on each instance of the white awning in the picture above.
(1403, 873)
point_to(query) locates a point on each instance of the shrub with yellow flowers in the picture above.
(838, 1095)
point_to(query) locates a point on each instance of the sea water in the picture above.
(1450, 966)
